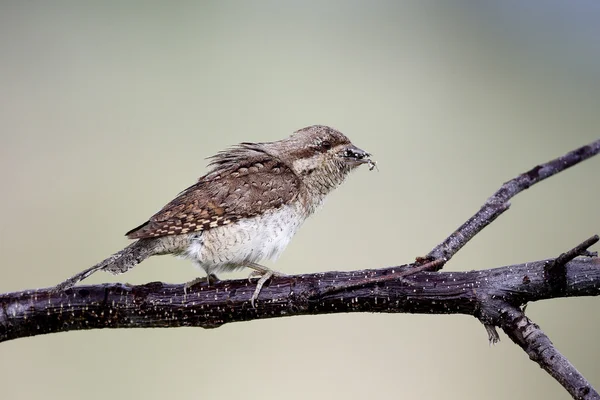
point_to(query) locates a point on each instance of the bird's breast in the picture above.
(247, 240)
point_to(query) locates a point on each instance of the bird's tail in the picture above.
(118, 263)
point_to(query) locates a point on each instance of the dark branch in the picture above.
(498, 202)
(40, 311)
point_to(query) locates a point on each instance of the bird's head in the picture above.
(320, 155)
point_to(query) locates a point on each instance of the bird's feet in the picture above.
(263, 274)
(211, 279)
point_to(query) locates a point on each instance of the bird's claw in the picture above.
(263, 276)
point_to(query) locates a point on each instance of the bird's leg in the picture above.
(263, 274)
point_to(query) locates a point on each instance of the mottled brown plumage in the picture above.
(235, 189)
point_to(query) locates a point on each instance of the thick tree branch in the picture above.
(493, 296)
(156, 304)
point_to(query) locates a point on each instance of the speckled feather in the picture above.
(244, 182)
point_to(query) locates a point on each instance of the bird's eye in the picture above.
(326, 144)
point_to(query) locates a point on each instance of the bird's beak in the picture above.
(354, 155)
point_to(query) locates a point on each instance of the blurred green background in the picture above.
(108, 109)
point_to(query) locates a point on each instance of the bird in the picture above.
(245, 209)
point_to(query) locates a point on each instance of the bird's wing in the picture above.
(244, 188)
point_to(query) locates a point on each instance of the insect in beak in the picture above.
(372, 164)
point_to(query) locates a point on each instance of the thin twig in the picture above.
(373, 280)
(561, 261)
(498, 202)
(556, 270)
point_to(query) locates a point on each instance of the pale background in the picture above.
(108, 109)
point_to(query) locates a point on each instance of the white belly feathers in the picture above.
(231, 247)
